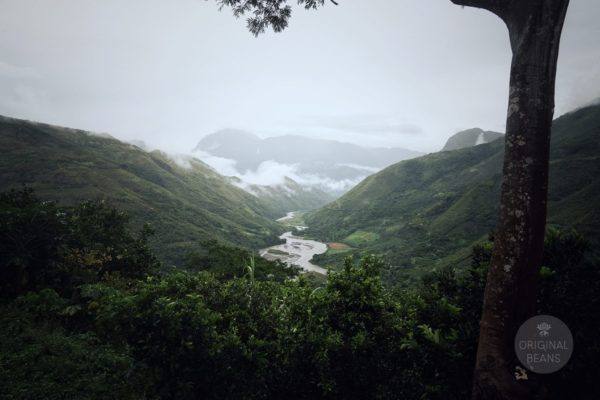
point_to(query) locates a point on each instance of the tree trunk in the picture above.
(535, 28)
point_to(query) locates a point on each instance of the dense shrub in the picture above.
(242, 338)
(569, 289)
(44, 245)
(84, 329)
(228, 262)
(42, 359)
(31, 242)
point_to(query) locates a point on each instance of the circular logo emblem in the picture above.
(544, 344)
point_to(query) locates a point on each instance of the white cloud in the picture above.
(182, 160)
(360, 167)
(21, 95)
(137, 68)
(272, 173)
(224, 166)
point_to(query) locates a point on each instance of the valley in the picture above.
(417, 214)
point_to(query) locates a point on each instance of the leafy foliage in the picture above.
(45, 360)
(228, 262)
(43, 245)
(267, 13)
(570, 290)
(252, 333)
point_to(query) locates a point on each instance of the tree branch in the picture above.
(265, 14)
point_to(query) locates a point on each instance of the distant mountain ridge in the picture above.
(430, 210)
(250, 150)
(185, 200)
(324, 159)
(469, 138)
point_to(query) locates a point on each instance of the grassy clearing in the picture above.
(361, 238)
(338, 246)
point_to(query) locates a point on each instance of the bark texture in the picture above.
(535, 28)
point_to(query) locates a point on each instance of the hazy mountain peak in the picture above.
(224, 138)
(470, 137)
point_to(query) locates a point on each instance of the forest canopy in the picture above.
(122, 326)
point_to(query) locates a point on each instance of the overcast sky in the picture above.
(379, 72)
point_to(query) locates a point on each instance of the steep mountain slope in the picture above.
(469, 138)
(184, 199)
(429, 211)
(326, 160)
(285, 197)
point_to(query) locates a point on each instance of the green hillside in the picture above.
(184, 200)
(290, 196)
(428, 211)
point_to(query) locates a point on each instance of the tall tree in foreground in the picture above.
(534, 28)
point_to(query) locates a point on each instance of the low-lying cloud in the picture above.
(360, 167)
(272, 173)
(224, 166)
(17, 72)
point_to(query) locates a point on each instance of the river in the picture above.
(296, 250)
